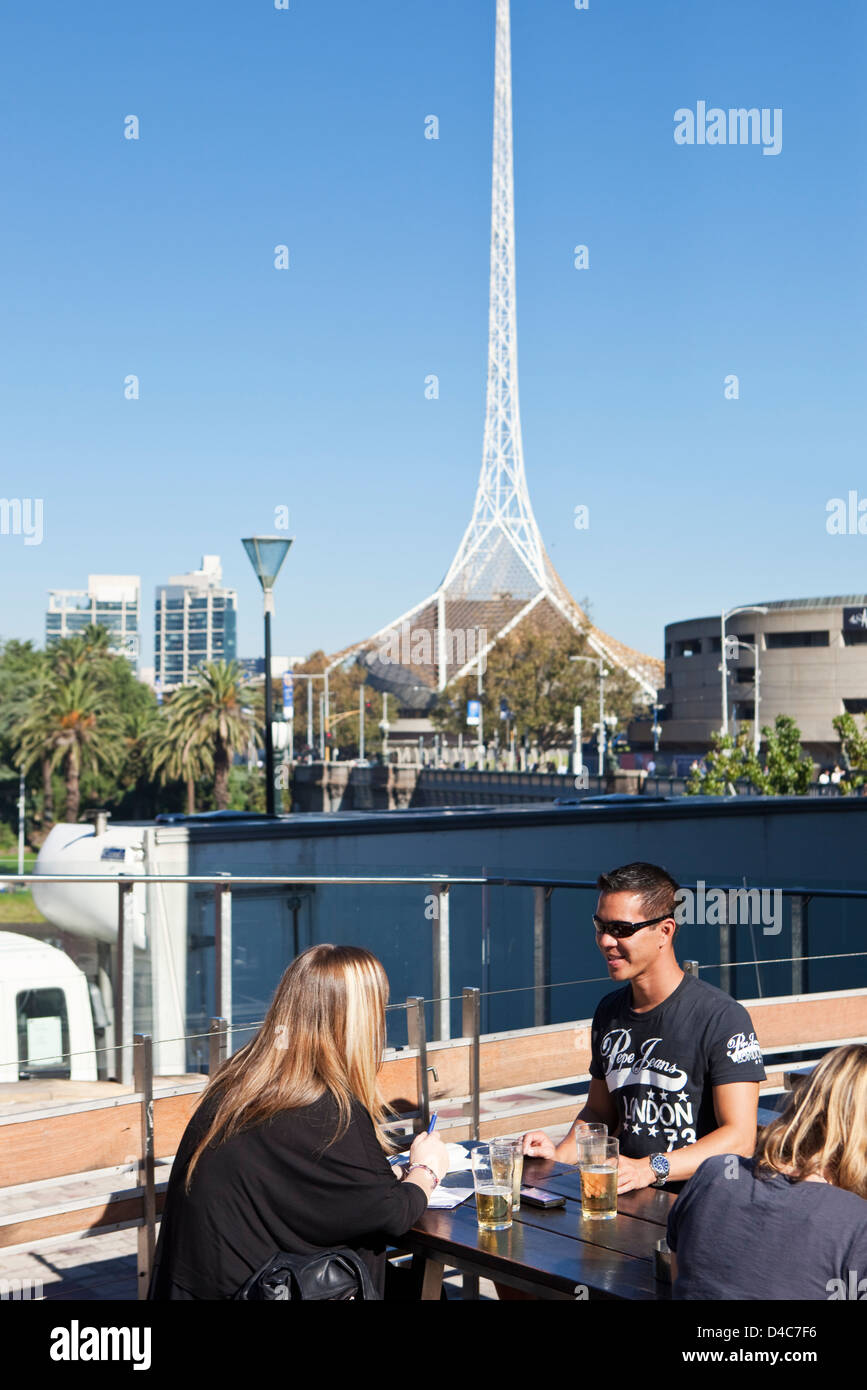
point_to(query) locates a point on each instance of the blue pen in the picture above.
(433, 1120)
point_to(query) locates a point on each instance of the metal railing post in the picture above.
(470, 1021)
(691, 967)
(144, 1082)
(486, 947)
(223, 954)
(123, 1023)
(725, 948)
(218, 1049)
(441, 965)
(417, 1036)
(541, 956)
(799, 941)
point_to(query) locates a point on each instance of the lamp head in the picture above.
(266, 555)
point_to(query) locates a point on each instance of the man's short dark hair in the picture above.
(657, 888)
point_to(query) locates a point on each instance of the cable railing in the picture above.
(442, 884)
(222, 1034)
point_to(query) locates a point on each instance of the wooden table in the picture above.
(553, 1254)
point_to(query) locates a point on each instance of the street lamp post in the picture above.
(384, 726)
(266, 555)
(656, 727)
(481, 745)
(754, 648)
(600, 734)
(746, 608)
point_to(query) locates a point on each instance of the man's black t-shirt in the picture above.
(660, 1066)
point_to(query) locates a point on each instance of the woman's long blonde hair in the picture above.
(324, 1031)
(823, 1130)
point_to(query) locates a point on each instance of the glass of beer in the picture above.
(597, 1166)
(592, 1130)
(517, 1148)
(493, 1175)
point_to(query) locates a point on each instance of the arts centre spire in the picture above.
(501, 575)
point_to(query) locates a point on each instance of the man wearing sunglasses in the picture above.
(675, 1066)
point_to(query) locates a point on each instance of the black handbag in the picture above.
(333, 1276)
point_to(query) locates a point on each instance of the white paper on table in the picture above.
(444, 1198)
(459, 1159)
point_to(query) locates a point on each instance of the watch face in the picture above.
(660, 1164)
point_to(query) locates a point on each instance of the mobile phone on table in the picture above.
(538, 1197)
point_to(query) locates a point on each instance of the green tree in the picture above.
(344, 682)
(782, 770)
(71, 725)
(726, 763)
(531, 671)
(21, 669)
(853, 752)
(206, 723)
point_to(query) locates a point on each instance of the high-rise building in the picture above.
(110, 601)
(195, 622)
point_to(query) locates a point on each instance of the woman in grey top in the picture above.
(791, 1222)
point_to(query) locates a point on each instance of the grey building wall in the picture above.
(812, 662)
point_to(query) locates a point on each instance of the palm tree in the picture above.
(69, 724)
(206, 724)
(167, 759)
(23, 669)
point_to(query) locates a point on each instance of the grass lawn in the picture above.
(9, 863)
(18, 906)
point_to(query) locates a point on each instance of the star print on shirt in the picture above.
(684, 1097)
(652, 1131)
(651, 1095)
(636, 1129)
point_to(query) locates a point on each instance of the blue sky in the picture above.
(261, 388)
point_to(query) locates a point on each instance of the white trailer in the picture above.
(45, 1013)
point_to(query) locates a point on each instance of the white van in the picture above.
(45, 1013)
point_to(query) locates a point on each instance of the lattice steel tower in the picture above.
(501, 572)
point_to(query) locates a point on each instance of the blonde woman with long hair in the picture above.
(284, 1152)
(790, 1223)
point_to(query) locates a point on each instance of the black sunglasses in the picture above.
(621, 929)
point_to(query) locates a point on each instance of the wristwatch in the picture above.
(661, 1167)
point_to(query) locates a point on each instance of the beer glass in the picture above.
(592, 1130)
(597, 1166)
(517, 1147)
(493, 1170)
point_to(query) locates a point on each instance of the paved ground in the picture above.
(103, 1268)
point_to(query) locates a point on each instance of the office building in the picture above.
(110, 601)
(195, 622)
(812, 665)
